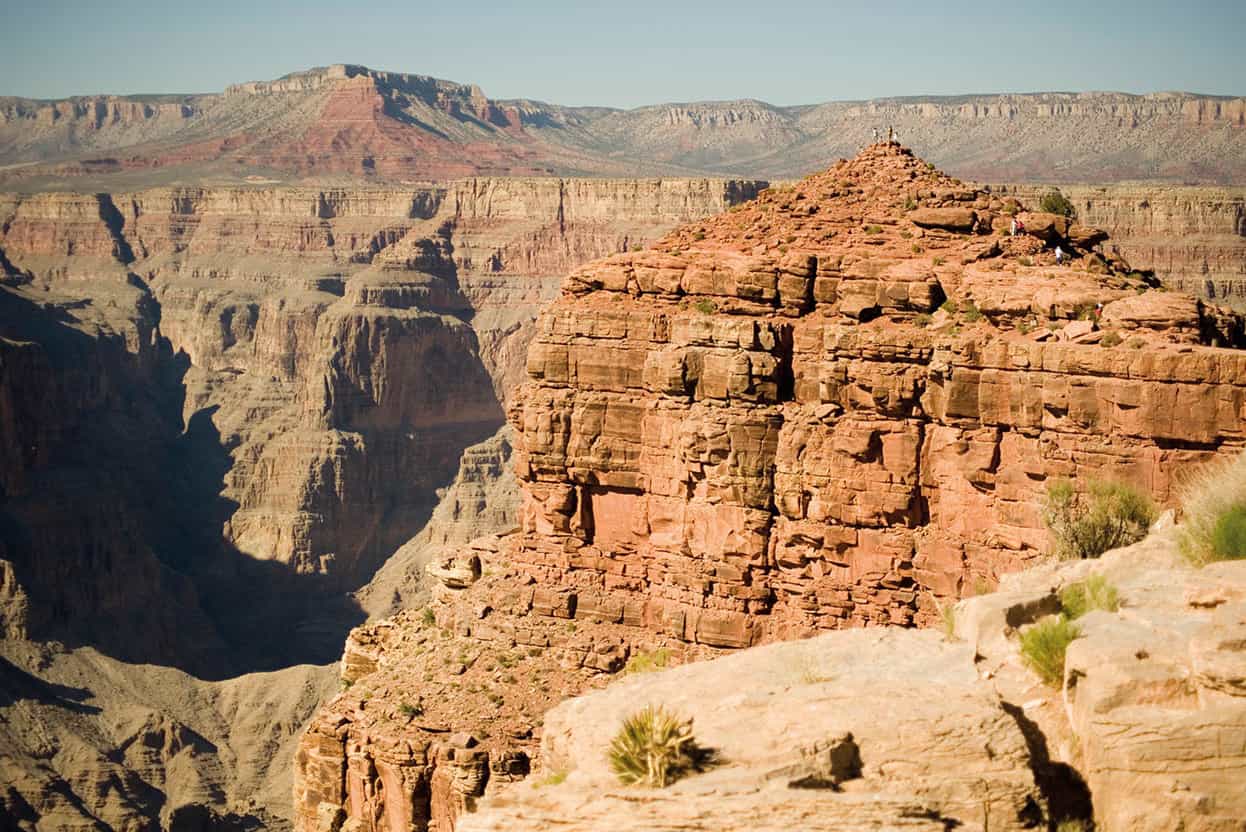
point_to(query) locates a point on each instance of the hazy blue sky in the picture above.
(630, 53)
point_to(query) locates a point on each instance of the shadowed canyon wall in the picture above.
(221, 411)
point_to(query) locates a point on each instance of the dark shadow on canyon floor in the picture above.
(111, 513)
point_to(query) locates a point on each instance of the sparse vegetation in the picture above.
(1094, 593)
(1044, 645)
(917, 249)
(972, 313)
(698, 236)
(428, 618)
(705, 306)
(554, 778)
(947, 614)
(1111, 339)
(648, 662)
(910, 204)
(873, 229)
(1213, 504)
(949, 306)
(1085, 525)
(1072, 825)
(1054, 202)
(1025, 326)
(921, 319)
(408, 710)
(938, 261)
(906, 235)
(1025, 261)
(653, 748)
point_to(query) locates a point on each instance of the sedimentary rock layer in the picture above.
(353, 122)
(836, 405)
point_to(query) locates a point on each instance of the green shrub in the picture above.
(921, 319)
(1094, 593)
(873, 229)
(1228, 536)
(408, 710)
(1043, 647)
(1111, 339)
(972, 313)
(949, 306)
(1025, 261)
(1054, 202)
(653, 748)
(1213, 507)
(906, 235)
(910, 204)
(1109, 515)
(917, 249)
(938, 261)
(705, 306)
(648, 662)
(428, 617)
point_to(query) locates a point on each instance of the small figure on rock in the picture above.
(891, 134)
(1013, 227)
(1020, 225)
(875, 135)
(1059, 255)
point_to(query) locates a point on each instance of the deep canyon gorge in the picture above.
(240, 419)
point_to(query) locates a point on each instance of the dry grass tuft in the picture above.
(653, 748)
(1213, 505)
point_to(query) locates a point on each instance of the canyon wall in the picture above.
(356, 124)
(837, 405)
(222, 410)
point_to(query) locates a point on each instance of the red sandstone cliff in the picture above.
(835, 405)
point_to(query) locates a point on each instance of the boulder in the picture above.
(949, 219)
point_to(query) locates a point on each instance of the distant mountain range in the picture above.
(348, 123)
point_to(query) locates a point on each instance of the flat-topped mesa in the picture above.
(838, 403)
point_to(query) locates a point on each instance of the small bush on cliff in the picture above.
(648, 662)
(653, 748)
(1213, 505)
(705, 306)
(1085, 525)
(1094, 593)
(972, 313)
(1110, 339)
(1044, 646)
(1054, 202)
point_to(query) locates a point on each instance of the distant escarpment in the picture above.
(221, 411)
(352, 122)
(836, 405)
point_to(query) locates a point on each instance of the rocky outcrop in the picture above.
(807, 413)
(1143, 733)
(1193, 238)
(756, 428)
(348, 120)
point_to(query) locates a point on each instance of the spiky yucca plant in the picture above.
(653, 748)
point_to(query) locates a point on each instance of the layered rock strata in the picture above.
(836, 405)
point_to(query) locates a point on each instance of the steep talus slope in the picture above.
(220, 411)
(351, 122)
(835, 405)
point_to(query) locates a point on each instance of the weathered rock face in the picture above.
(1193, 238)
(220, 408)
(907, 729)
(755, 428)
(807, 413)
